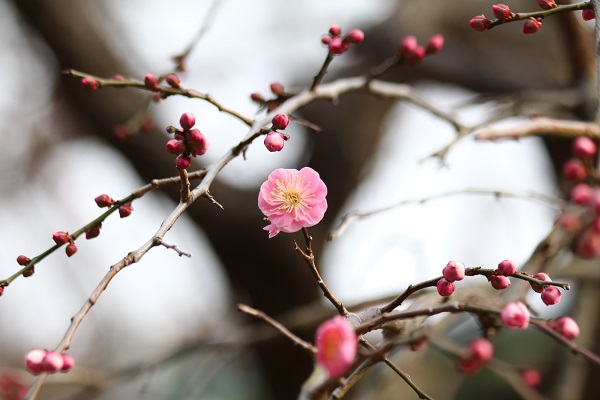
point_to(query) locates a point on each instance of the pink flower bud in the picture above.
(546, 4)
(52, 362)
(416, 56)
(173, 80)
(454, 271)
(274, 141)
(61, 237)
(532, 25)
(502, 12)
(71, 249)
(257, 97)
(336, 346)
(335, 30)
(407, 47)
(499, 282)
(337, 46)
(542, 276)
(182, 161)
(515, 315)
(325, 39)
(277, 88)
(566, 327)
(23, 260)
(506, 267)
(445, 288)
(479, 352)
(104, 200)
(68, 363)
(1, 290)
(90, 83)
(175, 146)
(356, 36)
(151, 82)
(435, 44)
(581, 194)
(280, 121)
(531, 377)
(584, 147)
(198, 144)
(587, 245)
(588, 15)
(187, 121)
(569, 222)
(574, 170)
(551, 295)
(480, 23)
(93, 231)
(125, 210)
(33, 361)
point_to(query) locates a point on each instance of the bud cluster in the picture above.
(410, 53)
(275, 140)
(585, 192)
(270, 104)
(61, 238)
(187, 142)
(338, 44)
(39, 361)
(453, 271)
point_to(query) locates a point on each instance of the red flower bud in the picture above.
(183, 161)
(187, 121)
(416, 56)
(584, 147)
(277, 88)
(197, 143)
(588, 15)
(71, 249)
(480, 23)
(280, 121)
(23, 260)
(574, 170)
(173, 80)
(274, 141)
(104, 200)
(151, 82)
(68, 363)
(506, 267)
(502, 12)
(581, 194)
(125, 210)
(33, 361)
(546, 4)
(52, 362)
(93, 232)
(532, 25)
(407, 47)
(551, 295)
(499, 282)
(120, 132)
(337, 46)
(1, 290)
(175, 146)
(325, 39)
(335, 30)
(531, 377)
(257, 97)
(445, 288)
(355, 37)
(435, 44)
(61, 237)
(90, 83)
(565, 326)
(542, 276)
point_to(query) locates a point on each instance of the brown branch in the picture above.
(541, 126)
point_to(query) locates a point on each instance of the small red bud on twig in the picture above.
(104, 200)
(151, 82)
(125, 210)
(61, 237)
(71, 249)
(532, 25)
(90, 83)
(480, 23)
(173, 81)
(187, 121)
(93, 232)
(502, 12)
(547, 4)
(280, 121)
(23, 260)
(277, 88)
(588, 15)
(335, 30)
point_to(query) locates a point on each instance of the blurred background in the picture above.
(167, 328)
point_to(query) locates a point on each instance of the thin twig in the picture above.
(173, 247)
(541, 126)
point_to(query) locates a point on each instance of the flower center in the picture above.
(290, 193)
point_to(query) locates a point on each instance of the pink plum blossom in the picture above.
(336, 346)
(515, 315)
(292, 200)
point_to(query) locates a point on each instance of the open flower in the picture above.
(292, 200)
(336, 346)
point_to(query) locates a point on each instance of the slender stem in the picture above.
(321, 74)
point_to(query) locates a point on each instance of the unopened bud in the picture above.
(551, 295)
(68, 363)
(584, 147)
(277, 88)
(407, 47)
(61, 237)
(506, 267)
(33, 361)
(588, 15)
(355, 37)
(93, 232)
(90, 83)
(175, 146)
(480, 23)
(198, 144)
(337, 46)
(435, 44)
(499, 282)
(280, 121)
(274, 141)
(257, 97)
(502, 12)
(187, 121)
(52, 362)
(104, 200)
(566, 327)
(23, 260)
(125, 210)
(531, 377)
(335, 30)
(151, 82)
(71, 249)
(532, 25)
(547, 4)
(325, 39)
(445, 288)
(542, 276)
(581, 194)
(173, 80)
(574, 170)
(183, 161)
